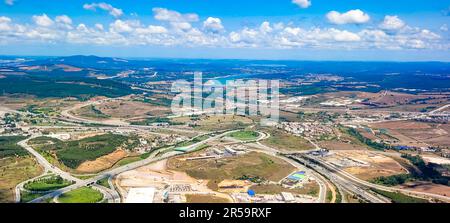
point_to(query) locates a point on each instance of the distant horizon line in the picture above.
(231, 59)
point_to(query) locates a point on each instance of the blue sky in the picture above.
(413, 30)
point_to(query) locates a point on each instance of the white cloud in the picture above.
(302, 3)
(265, 27)
(444, 28)
(4, 19)
(392, 23)
(64, 19)
(353, 16)
(99, 26)
(182, 30)
(163, 14)
(181, 26)
(9, 2)
(127, 26)
(213, 25)
(116, 12)
(151, 30)
(42, 20)
(344, 35)
(5, 23)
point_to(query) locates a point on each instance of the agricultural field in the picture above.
(81, 195)
(417, 133)
(252, 166)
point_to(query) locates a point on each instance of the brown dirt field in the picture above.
(367, 173)
(102, 163)
(200, 198)
(417, 133)
(213, 123)
(15, 103)
(311, 188)
(401, 125)
(367, 135)
(68, 68)
(131, 109)
(394, 98)
(427, 187)
(337, 145)
(243, 184)
(250, 164)
(379, 165)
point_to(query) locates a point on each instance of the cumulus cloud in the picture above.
(302, 3)
(163, 14)
(127, 26)
(116, 12)
(42, 20)
(5, 23)
(152, 30)
(444, 28)
(178, 29)
(392, 23)
(213, 25)
(353, 16)
(178, 21)
(64, 19)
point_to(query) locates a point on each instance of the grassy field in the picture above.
(14, 170)
(252, 166)
(199, 198)
(27, 196)
(81, 195)
(128, 160)
(73, 153)
(285, 141)
(399, 197)
(309, 189)
(104, 182)
(245, 135)
(9, 147)
(193, 141)
(47, 184)
(215, 123)
(91, 111)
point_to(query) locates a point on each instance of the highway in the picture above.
(48, 167)
(152, 158)
(340, 178)
(343, 182)
(358, 181)
(273, 152)
(439, 109)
